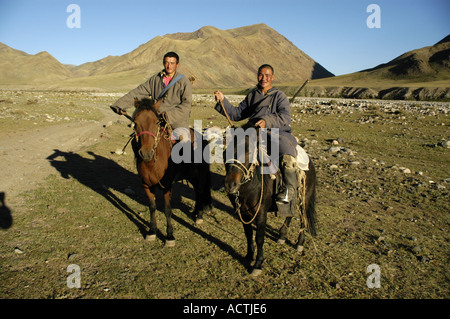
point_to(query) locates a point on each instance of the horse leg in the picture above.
(284, 230)
(301, 238)
(260, 234)
(198, 209)
(250, 247)
(170, 240)
(202, 189)
(301, 241)
(151, 235)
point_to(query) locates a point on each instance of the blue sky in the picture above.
(332, 32)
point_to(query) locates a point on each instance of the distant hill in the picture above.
(229, 59)
(18, 67)
(217, 58)
(427, 66)
(418, 74)
(426, 63)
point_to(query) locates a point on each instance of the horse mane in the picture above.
(249, 124)
(145, 104)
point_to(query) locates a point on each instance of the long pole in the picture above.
(298, 91)
(226, 114)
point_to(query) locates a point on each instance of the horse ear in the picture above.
(157, 105)
(136, 102)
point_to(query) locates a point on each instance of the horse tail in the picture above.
(307, 198)
(311, 213)
(311, 182)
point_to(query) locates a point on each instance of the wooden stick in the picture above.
(298, 91)
(226, 114)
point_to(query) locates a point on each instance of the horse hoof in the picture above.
(281, 241)
(150, 237)
(170, 243)
(256, 272)
(300, 249)
(198, 222)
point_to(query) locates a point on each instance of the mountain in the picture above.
(428, 62)
(418, 74)
(18, 67)
(427, 66)
(216, 58)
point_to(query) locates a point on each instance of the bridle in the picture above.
(147, 132)
(247, 176)
(157, 136)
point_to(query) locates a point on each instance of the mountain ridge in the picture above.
(226, 59)
(215, 57)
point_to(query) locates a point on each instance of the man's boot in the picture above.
(290, 181)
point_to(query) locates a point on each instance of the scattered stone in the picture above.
(334, 149)
(405, 170)
(444, 144)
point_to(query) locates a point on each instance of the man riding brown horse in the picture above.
(172, 88)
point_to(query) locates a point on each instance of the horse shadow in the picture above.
(105, 176)
(5, 213)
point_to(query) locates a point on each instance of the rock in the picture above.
(334, 167)
(445, 144)
(405, 170)
(334, 149)
(18, 251)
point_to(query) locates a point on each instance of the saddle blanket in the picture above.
(302, 158)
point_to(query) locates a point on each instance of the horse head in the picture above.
(148, 124)
(240, 156)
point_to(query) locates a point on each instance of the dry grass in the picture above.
(369, 213)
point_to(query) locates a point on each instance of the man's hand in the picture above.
(219, 96)
(116, 109)
(261, 123)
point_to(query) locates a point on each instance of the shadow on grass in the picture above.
(104, 176)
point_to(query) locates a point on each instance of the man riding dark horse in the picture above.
(267, 107)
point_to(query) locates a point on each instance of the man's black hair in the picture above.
(266, 66)
(171, 55)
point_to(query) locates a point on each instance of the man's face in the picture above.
(170, 65)
(265, 78)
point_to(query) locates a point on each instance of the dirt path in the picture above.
(24, 154)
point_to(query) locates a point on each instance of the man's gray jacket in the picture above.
(273, 107)
(176, 103)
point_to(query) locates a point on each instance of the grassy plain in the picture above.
(90, 211)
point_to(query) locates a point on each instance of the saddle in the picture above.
(290, 210)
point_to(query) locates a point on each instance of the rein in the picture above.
(248, 175)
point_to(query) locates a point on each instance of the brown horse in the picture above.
(252, 193)
(152, 148)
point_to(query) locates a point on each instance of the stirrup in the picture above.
(283, 199)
